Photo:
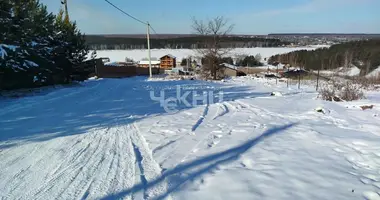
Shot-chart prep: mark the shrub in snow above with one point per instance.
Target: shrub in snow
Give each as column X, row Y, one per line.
column 368, row 83
column 338, row 91
column 366, row 107
column 320, row 109
column 278, row 94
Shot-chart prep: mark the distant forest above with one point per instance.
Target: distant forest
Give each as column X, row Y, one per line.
column 99, row 42
column 364, row 54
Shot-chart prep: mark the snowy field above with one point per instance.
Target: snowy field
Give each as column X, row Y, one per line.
column 107, row 139
column 120, row 55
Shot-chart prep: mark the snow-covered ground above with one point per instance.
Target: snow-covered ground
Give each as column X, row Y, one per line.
column 374, row 74
column 342, row 71
column 120, row 55
column 107, row 139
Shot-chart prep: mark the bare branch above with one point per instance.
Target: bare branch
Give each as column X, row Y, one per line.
column 215, row 31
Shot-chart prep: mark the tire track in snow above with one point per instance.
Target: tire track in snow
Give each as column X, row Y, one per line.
column 41, row 162
column 112, row 169
column 76, row 155
column 74, row 162
column 231, row 108
column 101, row 180
column 177, row 140
column 78, row 187
column 97, row 184
column 124, row 175
column 261, row 112
column 36, row 160
column 67, row 176
column 20, row 155
column 32, row 191
column 140, row 171
column 96, row 170
column 148, row 166
column 206, row 136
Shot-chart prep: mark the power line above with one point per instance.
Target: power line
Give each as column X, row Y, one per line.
column 125, row 12
column 153, row 29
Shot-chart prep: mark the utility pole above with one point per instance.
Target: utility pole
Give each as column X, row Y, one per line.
column 299, row 79
column 64, row 2
column 188, row 64
column 317, row 80
column 150, row 62
column 276, row 74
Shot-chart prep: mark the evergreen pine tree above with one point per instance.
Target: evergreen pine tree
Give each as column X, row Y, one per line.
column 37, row 48
column 71, row 50
column 184, row 62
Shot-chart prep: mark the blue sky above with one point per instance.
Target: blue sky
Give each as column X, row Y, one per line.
column 248, row 16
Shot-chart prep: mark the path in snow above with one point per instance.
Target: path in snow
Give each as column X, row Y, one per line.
column 107, row 139
column 324, row 156
column 82, row 142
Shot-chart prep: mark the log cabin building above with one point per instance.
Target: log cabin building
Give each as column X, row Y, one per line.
column 168, row 62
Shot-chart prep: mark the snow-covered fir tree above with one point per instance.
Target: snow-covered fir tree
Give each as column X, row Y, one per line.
column 38, row 48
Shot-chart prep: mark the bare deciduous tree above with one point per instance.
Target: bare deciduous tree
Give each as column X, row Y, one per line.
column 214, row 32
column 347, row 59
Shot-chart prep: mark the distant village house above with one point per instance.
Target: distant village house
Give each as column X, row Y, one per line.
column 168, row 62
column 231, row 71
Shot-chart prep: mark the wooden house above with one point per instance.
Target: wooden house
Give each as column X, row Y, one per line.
column 168, row 62
column 231, row 71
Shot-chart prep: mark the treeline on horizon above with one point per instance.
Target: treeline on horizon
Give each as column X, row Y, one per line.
column 96, row 42
column 364, row 54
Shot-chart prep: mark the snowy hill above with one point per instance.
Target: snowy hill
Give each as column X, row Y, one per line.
column 374, row 74
column 113, row 139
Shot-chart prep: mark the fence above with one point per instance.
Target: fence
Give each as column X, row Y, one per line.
column 298, row 77
column 123, row 71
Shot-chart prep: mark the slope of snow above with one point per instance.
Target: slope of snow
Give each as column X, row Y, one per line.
column 107, row 139
column 374, row 74
column 353, row 71
column 120, row 55
column 342, row 71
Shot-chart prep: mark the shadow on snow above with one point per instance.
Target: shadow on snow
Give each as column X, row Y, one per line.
column 184, row 173
column 98, row 104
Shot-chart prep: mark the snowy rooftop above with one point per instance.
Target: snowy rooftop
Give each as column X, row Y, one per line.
column 229, row 66
column 169, row 55
column 146, row 62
